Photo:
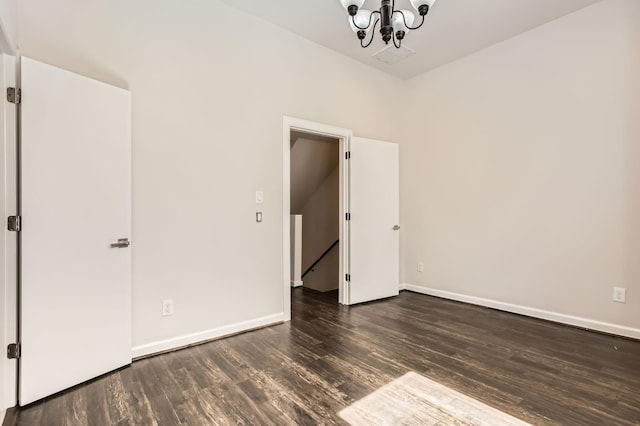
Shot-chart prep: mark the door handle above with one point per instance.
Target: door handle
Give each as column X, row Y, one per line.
column 122, row 243
column 396, row 227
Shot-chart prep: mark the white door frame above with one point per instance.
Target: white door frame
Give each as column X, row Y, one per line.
column 8, row 280
column 344, row 136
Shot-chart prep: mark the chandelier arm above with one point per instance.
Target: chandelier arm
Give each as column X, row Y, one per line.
column 405, row 20
column 353, row 20
column 394, row 41
column 373, row 33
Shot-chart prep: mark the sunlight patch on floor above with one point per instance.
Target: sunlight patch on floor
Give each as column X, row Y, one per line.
column 415, row 400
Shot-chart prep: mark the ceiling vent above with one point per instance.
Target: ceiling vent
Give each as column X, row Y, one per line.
column 392, row 55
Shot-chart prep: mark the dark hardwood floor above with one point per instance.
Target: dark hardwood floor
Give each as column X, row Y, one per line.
column 327, row 357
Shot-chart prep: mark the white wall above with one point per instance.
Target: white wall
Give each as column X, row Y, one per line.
column 210, row 85
column 320, row 229
column 311, row 162
column 519, row 168
column 517, row 177
column 325, row 275
column 295, row 234
column 8, row 25
column 3, row 239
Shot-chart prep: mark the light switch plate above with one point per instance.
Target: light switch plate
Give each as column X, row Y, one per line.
column 259, row 197
column 167, row 307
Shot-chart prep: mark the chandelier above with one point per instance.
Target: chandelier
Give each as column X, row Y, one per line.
column 394, row 24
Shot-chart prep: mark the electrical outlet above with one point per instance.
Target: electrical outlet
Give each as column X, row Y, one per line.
column 619, row 294
column 420, row 267
column 167, row 307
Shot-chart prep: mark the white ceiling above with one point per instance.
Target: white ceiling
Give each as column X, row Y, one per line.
column 453, row 28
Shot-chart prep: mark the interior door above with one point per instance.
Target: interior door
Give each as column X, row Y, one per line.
column 374, row 225
column 76, row 203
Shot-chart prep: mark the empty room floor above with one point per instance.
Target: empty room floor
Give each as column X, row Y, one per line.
column 329, row 357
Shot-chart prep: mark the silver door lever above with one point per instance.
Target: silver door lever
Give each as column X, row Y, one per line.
column 122, row 243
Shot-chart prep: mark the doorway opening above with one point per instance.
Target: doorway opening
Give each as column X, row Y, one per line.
column 315, row 213
column 369, row 185
column 315, row 190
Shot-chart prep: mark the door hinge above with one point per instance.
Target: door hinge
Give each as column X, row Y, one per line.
column 13, row 351
column 347, row 155
column 348, row 277
column 14, row 223
column 347, row 216
column 14, row 95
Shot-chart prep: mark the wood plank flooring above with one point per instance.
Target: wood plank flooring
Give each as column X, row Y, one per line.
column 328, row 357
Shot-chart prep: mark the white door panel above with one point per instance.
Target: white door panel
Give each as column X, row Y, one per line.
column 374, row 208
column 76, row 201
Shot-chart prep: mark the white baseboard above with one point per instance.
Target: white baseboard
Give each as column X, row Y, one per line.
column 296, row 283
column 403, row 286
column 606, row 327
column 202, row 336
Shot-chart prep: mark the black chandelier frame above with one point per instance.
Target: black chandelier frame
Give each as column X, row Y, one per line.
column 385, row 18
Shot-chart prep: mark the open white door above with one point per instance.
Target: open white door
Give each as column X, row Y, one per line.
column 76, row 202
column 374, row 207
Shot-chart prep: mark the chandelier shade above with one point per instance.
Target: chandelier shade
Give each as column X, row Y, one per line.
column 358, row 3
column 361, row 21
column 394, row 23
column 417, row 3
column 402, row 21
column 350, row 5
